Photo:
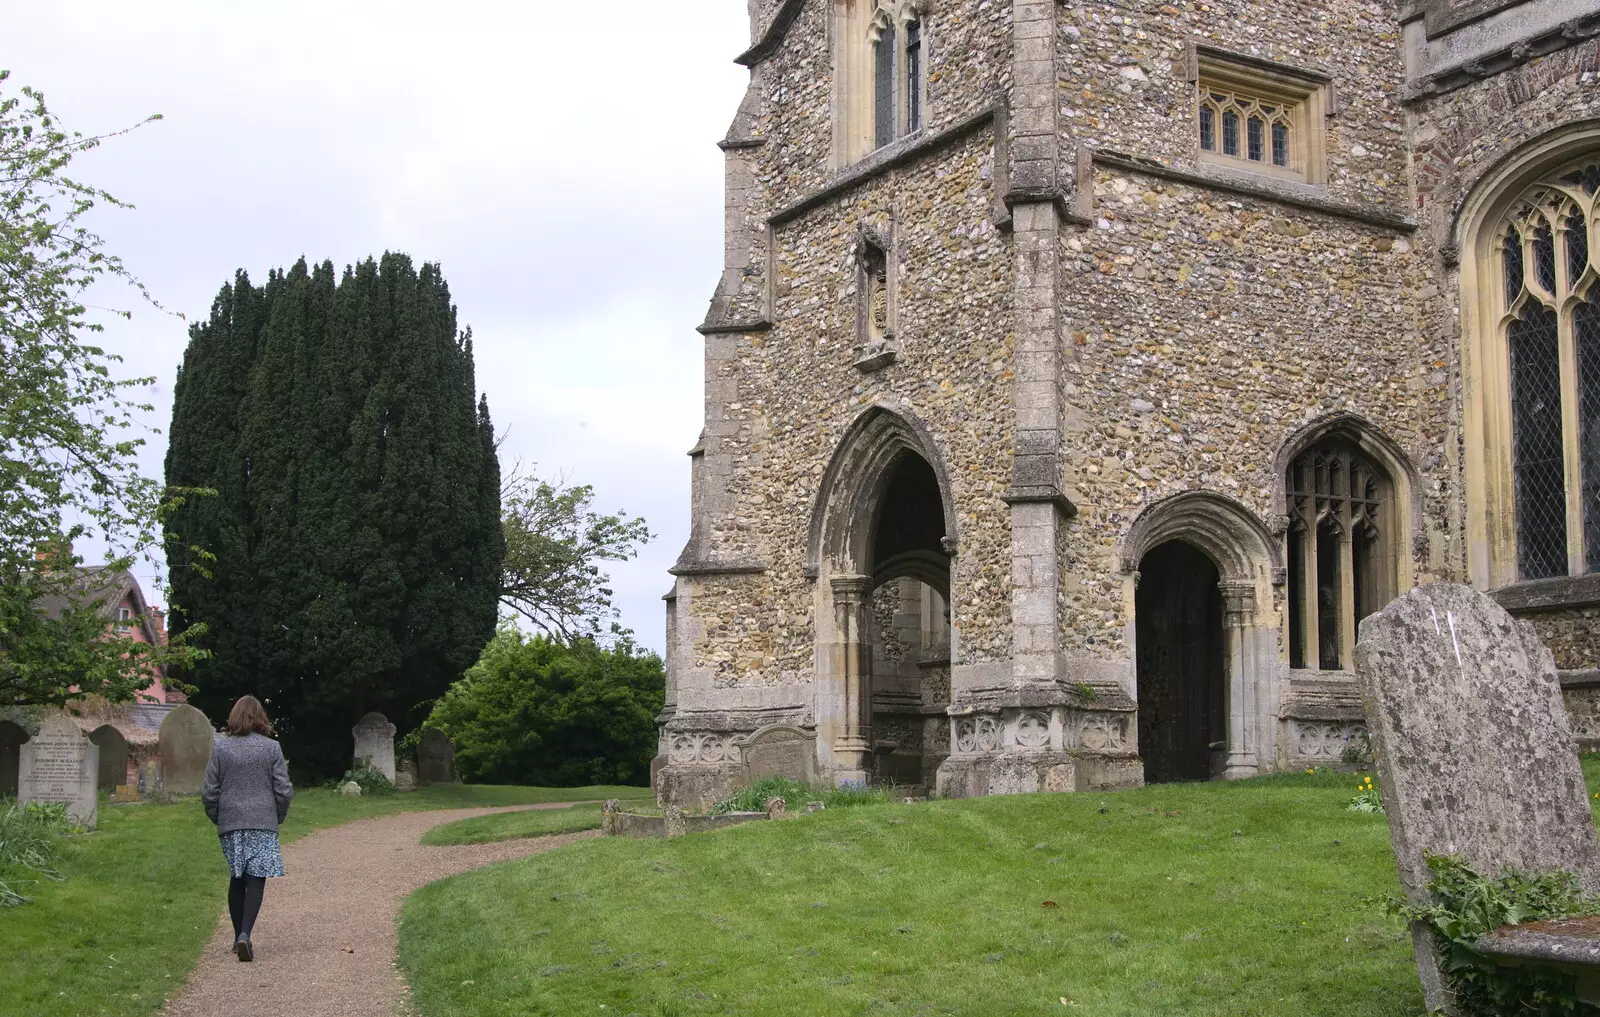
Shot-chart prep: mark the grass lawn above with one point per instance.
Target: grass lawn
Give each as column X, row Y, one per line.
column 517, row 825
column 144, row 891
column 1240, row 898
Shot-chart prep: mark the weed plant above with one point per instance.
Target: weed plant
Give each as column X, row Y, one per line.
column 371, row 781
column 1466, row 906
column 30, row 837
column 754, row 797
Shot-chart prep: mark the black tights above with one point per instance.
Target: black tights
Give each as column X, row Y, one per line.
column 244, row 902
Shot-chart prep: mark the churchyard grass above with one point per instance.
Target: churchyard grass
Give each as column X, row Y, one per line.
column 143, row 893
column 1195, row 899
column 517, row 825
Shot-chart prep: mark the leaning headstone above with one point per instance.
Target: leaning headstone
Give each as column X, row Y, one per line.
column 436, row 758
column 186, row 741
column 59, row 764
column 1475, row 754
column 350, row 789
column 374, row 737
column 609, row 824
column 675, row 824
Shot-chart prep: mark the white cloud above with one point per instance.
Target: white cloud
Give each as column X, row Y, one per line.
column 560, row 166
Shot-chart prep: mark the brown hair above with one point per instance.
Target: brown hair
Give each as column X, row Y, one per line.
column 247, row 716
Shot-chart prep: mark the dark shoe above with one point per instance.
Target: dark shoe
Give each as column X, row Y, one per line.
column 242, row 947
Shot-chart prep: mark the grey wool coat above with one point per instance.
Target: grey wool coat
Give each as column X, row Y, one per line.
column 247, row 784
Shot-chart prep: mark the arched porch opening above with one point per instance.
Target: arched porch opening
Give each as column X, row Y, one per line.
column 881, row 547
column 1207, row 594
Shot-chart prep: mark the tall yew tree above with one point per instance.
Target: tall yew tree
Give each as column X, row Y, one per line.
column 356, row 524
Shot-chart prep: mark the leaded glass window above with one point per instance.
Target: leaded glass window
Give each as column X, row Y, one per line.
column 913, row 77
column 883, row 88
column 1257, row 132
column 1342, row 565
column 1550, row 325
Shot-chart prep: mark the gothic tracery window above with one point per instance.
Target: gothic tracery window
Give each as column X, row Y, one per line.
column 881, row 71
column 1341, row 554
column 1550, row 327
column 1258, row 116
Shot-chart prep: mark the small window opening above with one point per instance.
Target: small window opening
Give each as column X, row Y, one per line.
column 913, row 80
column 1328, row 596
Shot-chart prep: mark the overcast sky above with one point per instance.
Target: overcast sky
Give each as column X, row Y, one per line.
column 561, row 168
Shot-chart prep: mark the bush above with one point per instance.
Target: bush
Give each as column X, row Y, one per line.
column 30, row 837
column 372, row 782
column 753, row 797
column 1466, row 906
column 534, row 710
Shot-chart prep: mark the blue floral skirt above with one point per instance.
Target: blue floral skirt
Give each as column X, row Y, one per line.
column 252, row 852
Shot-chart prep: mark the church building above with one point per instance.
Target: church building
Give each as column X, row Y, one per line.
column 1081, row 373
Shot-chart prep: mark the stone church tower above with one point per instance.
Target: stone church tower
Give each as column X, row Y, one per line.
column 1082, row 373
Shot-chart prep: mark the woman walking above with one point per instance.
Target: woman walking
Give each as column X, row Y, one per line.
column 246, row 793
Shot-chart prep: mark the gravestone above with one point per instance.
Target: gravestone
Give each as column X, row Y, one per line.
column 1475, row 755
column 350, row 789
column 113, row 757
column 676, row 825
column 186, row 741
column 59, row 764
column 374, row 737
column 150, row 777
column 609, row 826
column 405, row 776
column 780, row 750
column 436, row 758
column 12, row 738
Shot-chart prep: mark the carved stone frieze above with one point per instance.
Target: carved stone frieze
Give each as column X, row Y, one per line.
column 1322, row 740
column 687, row 747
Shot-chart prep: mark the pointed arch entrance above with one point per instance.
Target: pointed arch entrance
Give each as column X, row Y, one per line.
column 881, row 546
column 1205, row 644
column 1181, row 672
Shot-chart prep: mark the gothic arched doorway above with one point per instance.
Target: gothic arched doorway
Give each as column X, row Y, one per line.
column 1182, row 674
column 881, row 543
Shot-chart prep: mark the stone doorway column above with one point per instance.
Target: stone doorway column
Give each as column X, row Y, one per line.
column 853, row 748
column 1244, row 674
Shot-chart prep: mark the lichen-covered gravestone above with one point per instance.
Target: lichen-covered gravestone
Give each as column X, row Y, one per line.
column 60, row 764
column 374, row 737
column 186, row 741
column 436, row 758
column 1475, row 755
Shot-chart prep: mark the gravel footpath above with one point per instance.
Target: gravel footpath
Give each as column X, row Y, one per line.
column 325, row 941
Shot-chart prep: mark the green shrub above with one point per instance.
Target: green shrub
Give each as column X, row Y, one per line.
column 372, row 782
column 1466, row 906
column 753, row 797
column 30, row 837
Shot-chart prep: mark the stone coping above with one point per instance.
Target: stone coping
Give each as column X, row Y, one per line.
column 643, row 826
column 1556, row 594
column 1556, row 941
